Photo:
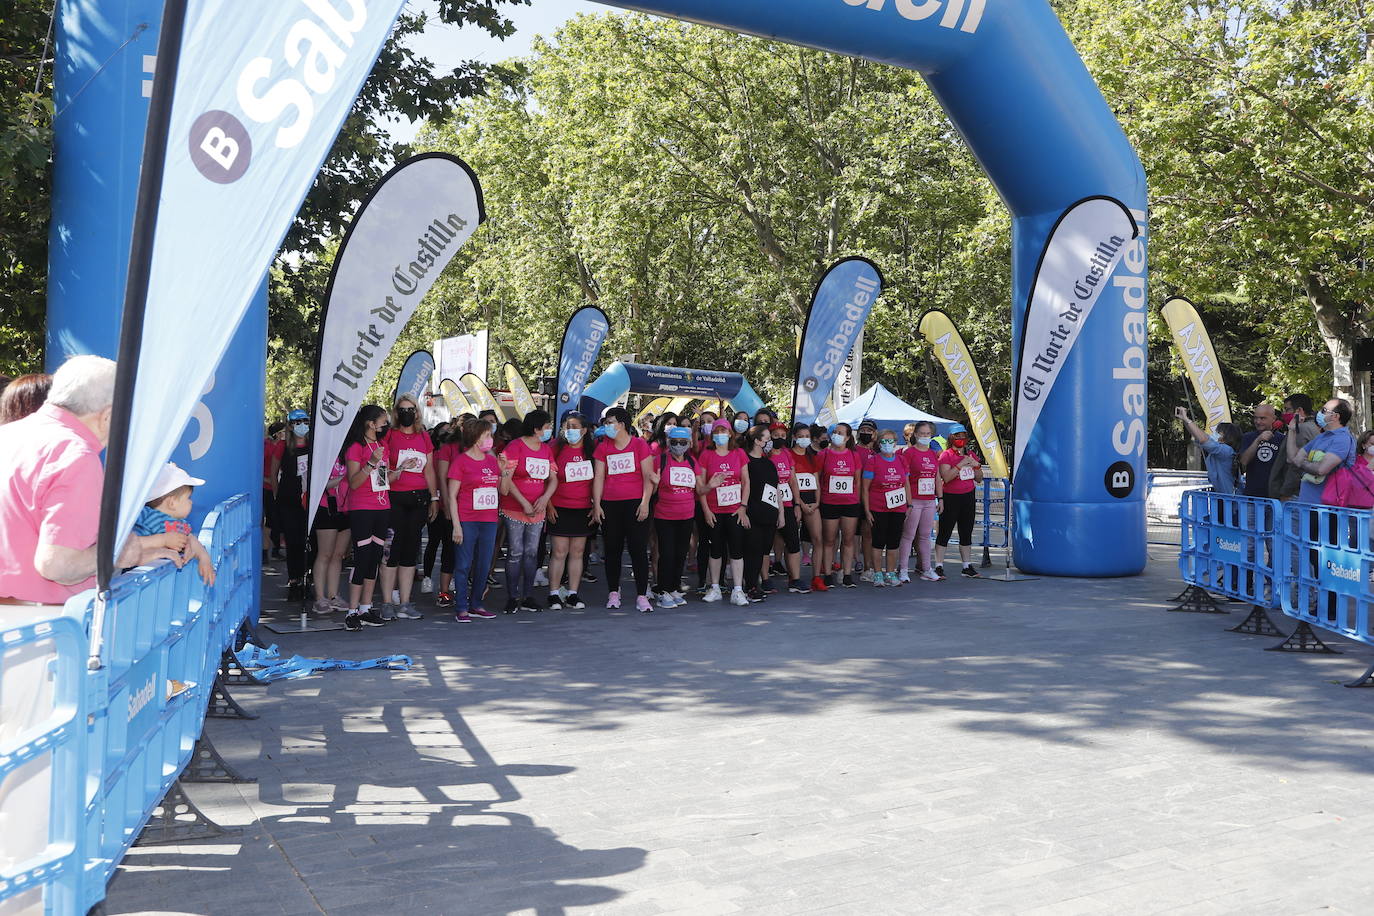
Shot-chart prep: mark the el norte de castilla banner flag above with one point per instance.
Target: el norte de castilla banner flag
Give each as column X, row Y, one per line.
column 1194, row 346
column 952, row 353
column 404, row 235
column 244, row 109
column 840, row 305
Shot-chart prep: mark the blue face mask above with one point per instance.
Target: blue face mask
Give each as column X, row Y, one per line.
column 741, row 425
column 545, row 435
column 607, row 431
column 721, row 439
column 888, row 448
column 1320, row 419
column 573, row 436
column 803, row 442
column 301, row 429
column 924, row 441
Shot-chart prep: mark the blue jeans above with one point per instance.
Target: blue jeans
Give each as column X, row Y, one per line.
column 522, row 555
column 473, row 565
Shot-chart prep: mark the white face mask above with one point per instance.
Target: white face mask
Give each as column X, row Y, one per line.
column 1369, row 449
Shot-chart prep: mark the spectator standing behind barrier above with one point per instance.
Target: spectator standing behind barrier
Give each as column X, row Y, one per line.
column 1364, row 449
column 289, row 484
column 1218, row 451
column 1259, row 449
column 24, row 396
column 1285, row 477
column 272, row 448
column 1333, row 447
column 50, row 485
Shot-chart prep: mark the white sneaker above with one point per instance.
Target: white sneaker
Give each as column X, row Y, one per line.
column 903, row 577
column 737, row 597
column 426, row 586
column 713, row 593
column 666, row 600
column 867, row 575
column 678, row 598
column 540, row 578
column 929, row 576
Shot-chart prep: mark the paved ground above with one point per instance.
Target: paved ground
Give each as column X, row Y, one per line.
column 1057, row 746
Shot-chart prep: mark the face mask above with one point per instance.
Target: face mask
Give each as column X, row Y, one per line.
column 767, row 445
column 300, row 429
column 865, row 438
column 837, row 441
column 741, row 425
column 406, row 415
column 545, row 435
column 485, row 443
column 493, row 427
column 573, row 436
column 803, row 442
column 1321, row 419
column 678, row 448
column 381, row 430
column 1369, row 449
column 721, row 439
column 823, row 440
column 607, row 431
column 1288, row 418
column 779, row 444
column 888, row 448
column 924, row 441
column 958, row 444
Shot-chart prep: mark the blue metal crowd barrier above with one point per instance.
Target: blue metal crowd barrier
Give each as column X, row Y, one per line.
column 995, row 517
column 1326, row 568
column 1227, row 545
column 128, row 728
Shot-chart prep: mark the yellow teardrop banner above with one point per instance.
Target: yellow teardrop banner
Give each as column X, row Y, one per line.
column 952, row 353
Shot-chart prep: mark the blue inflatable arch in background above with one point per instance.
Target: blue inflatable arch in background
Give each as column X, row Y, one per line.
column 621, row 379
column 1016, row 89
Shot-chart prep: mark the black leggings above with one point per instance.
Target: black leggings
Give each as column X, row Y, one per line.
column 620, row 528
column 290, row 522
column 365, row 524
column 727, row 537
column 409, row 514
column 758, row 540
column 959, row 509
column 673, row 537
column 440, row 544
column 790, row 532
column 887, row 529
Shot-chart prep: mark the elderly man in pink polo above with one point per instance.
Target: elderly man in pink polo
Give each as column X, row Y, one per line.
column 50, row 483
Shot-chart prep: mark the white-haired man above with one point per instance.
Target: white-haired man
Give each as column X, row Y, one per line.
column 50, row 483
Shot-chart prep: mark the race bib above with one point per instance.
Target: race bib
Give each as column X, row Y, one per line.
column 786, row 491
column 806, row 481
column 966, row 473
column 896, row 499
column 380, row 482
column 302, row 462
column 841, row 485
column 484, row 498
column 770, row 495
column 925, row 486
column 537, row 468
column 575, row 471
column 682, row 477
column 406, row 454
column 624, row 463
column 728, row 495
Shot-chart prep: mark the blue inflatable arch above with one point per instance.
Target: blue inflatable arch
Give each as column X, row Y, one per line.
column 621, row 379
column 1012, row 83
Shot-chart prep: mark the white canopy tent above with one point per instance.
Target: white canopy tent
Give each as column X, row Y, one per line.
column 888, row 411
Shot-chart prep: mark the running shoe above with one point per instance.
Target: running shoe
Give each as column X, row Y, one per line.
column 322, row 607
column 531, row 604
column 588, row 577
column 738, row 598
column 799, row 587
column 970, row 572
column 666, row 601
column 755, row 595
column 540, row 578
column 712, row 594
column 867, row 576
column 893, row 580
column 574, row 602
column 445, row 599
column 386, row 612
column 879, row 580
column 408, row 611
column 353, row 622
column 679, row 599
column 555, row 601
column 613, row 600
column 462, row 618
column 426, row 586
column 848, row 581
column 939, row 570
column 371, row 618
column 819, row 585
column 338, row 603
column 593, row 558
column 903, row 577
column 481, row 612
column 643, row 606
column 929, row 575
column 511, row 606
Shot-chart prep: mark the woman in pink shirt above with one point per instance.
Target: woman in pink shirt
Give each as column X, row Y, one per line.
column 414, row 502
column 789, row 533
column 474, row 499
column 927, row 493
column 527, row 484
column 723, row 482
column 370, row 477
column 674, row 512
column 886, row 495
column 331, row 541
column 840, row 468
column 621, row 492
column 961, row 472
column 570, row 510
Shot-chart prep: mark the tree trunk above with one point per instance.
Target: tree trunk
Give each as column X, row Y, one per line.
column 1339, row 328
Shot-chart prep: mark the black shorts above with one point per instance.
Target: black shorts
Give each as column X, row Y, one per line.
column 832, row 511
column 329, row 519
column 571, row 523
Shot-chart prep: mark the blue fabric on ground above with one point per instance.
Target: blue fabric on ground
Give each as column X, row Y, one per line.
column 267, row 664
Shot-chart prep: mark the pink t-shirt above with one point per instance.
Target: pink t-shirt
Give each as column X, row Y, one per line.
column 50, row 483
column 373, row 493
column 728, row 497
column 624, row 476
column 479, row 487
column 782, row 460
column 677, row 488
column 888, row 477
column 399, row 447
column 533, row 466
column 575, row 474
column 923, row 466
column 271, row 449
column 340, row 490
column 839, row 477
column 963, row 482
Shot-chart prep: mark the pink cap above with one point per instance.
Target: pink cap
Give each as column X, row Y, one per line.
column 722, row 424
